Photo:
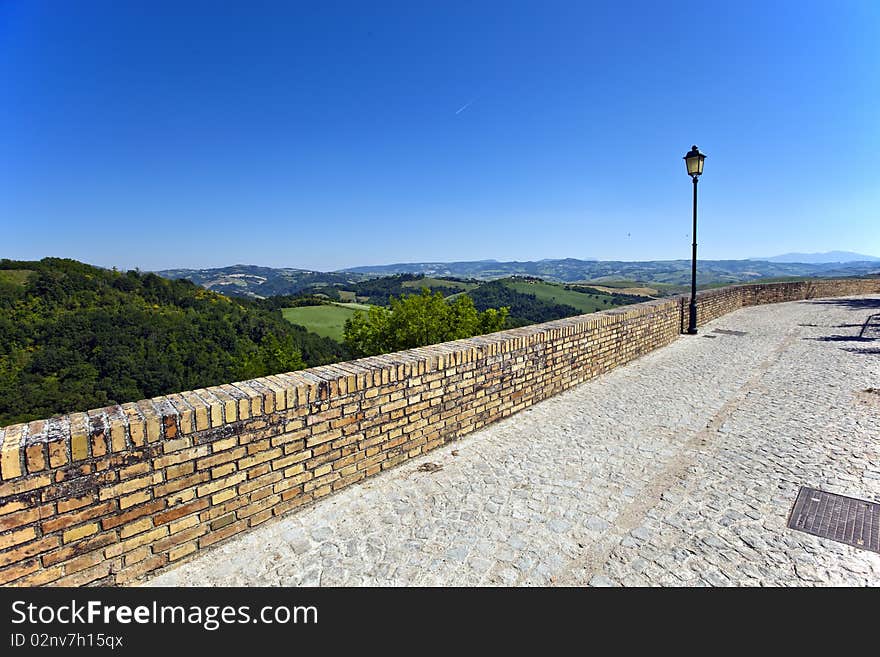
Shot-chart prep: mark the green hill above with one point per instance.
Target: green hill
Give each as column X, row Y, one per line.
column 76, row 337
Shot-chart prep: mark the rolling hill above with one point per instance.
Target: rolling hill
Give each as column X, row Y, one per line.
column 259, row 282
column 676, row 272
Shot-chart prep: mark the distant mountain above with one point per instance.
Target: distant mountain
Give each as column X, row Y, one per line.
column 821, row 258
column 260, row 282
column 676, row 272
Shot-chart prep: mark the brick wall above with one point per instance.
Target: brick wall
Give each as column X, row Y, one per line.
column 109, row 495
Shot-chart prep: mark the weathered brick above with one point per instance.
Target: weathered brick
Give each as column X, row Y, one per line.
column 222, row 496
column 71, row 503
column 127, row 545
column 179, row 511
column 220, row 534
column 180, row 470
column 80, row 547
column 135, row 513
column 57, row 453
column 36, row 457
column 10, row 452
column 137, row 571
column 182, row 550
column 18, row 570
column 86, row 576
column 25, row 517
column 220, row 484
column 80, row 532
column 28, row 550
column 135, row 498
column 137, row 527
column 56, row 523
column 130, row 486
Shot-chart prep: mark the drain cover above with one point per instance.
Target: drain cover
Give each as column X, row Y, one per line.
column 840, row 518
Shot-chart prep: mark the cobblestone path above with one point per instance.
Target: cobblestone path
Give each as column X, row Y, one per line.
column 678, row 469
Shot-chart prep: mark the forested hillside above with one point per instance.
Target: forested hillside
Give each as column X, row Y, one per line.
column 75, row 337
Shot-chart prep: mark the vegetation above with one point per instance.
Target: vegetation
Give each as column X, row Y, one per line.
column 418, row 320
column 14, row 276
column 74, row 337
column 327, row 319
column 557, row 294
column 380, row 290
column 523, row 308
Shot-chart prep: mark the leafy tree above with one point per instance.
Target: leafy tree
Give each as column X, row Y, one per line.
column 418, row 320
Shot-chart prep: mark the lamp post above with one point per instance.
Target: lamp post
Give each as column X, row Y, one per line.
column 694, row 161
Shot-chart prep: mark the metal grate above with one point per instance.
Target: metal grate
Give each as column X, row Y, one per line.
column 840, row 518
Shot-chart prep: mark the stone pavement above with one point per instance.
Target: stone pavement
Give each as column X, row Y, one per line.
column 678, row 469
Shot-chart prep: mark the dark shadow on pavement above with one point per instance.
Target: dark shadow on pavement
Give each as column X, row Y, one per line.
column 869, row 330
column 865, row 351
column 855, row 304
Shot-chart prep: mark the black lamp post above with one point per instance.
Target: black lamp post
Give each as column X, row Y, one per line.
column 694, row 161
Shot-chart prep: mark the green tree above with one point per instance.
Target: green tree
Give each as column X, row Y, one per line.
column 418, row 320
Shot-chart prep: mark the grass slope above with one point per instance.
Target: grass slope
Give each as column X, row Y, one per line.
column 586, row 303
column 327, row 320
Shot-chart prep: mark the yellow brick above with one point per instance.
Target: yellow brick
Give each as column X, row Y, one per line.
column 80, row 532
column 221, row 497
column 221, row 445
column 181, row 551
column 10, row 454
column 117, row 434
column 154, row 432
column 201, row 410
column 79, row 447
column 222, row 470
column 136, row 498
column 142, row 525
column 183, row 523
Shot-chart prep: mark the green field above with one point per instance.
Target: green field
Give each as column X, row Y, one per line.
column 14, row 276
column 326, row 320
column 586, row 303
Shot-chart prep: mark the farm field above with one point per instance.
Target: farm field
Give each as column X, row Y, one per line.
column 326, row 320
column 557, row 294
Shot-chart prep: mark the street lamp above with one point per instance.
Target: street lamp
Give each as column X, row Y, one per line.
column 694, row 161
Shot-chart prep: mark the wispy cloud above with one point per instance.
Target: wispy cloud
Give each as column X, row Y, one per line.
column 464, row 107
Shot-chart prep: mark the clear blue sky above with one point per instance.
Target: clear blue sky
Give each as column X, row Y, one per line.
column 321, row 135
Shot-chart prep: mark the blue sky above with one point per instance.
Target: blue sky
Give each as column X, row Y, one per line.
column 323, row 135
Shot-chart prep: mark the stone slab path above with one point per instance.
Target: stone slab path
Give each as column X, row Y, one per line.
column 678, row 469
